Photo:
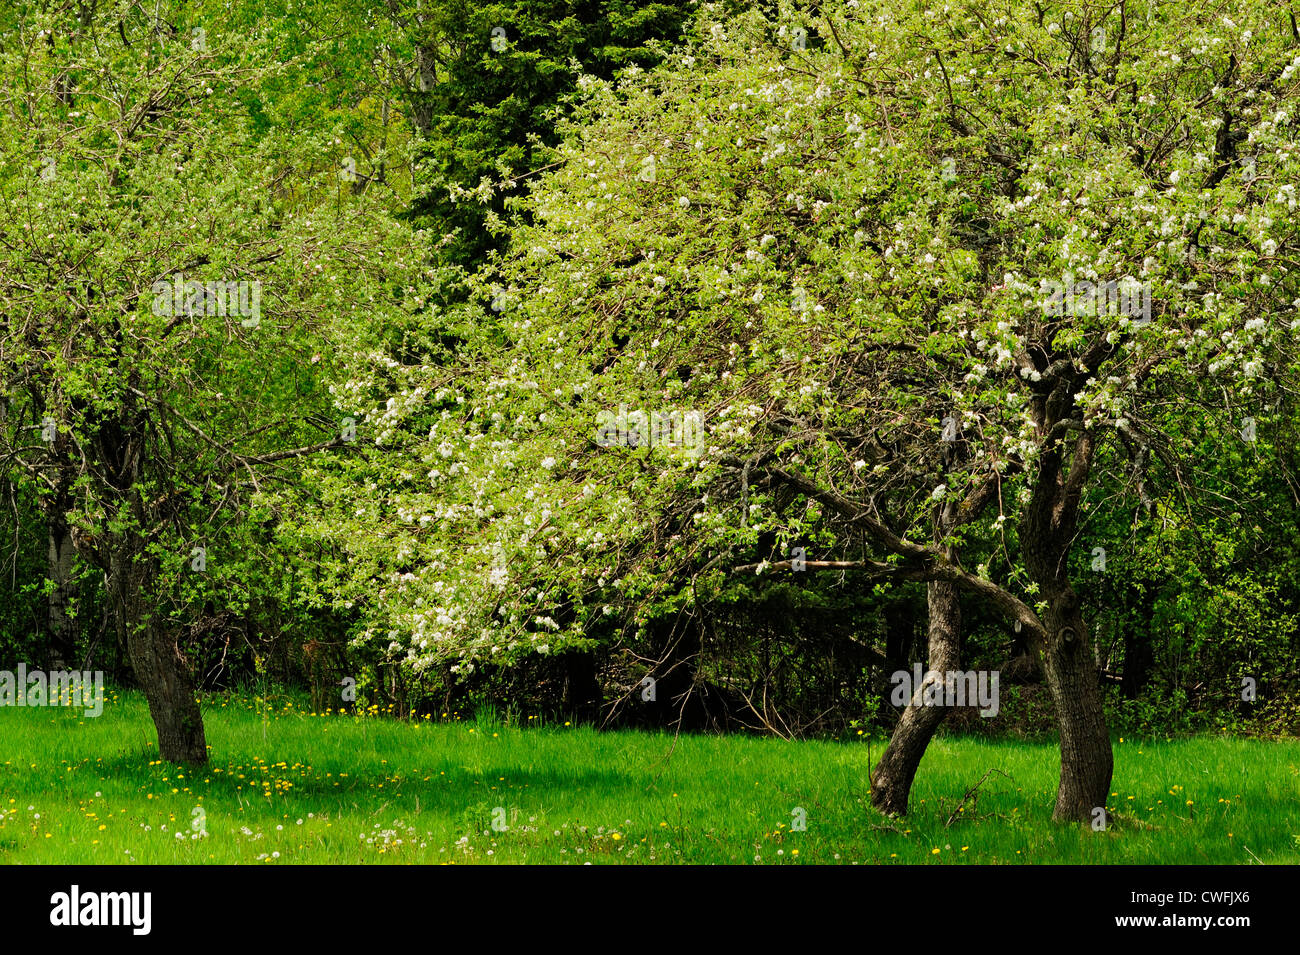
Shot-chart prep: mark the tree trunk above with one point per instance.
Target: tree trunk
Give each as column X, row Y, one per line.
column 1087, row 762
column 160, row 667
column 891, row 781
column 1065, row 645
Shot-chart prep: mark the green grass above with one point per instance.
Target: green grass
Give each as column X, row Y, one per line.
column 346, row 789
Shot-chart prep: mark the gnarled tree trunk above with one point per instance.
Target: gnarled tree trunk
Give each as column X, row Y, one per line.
column 891, row 781
column 1087, row 762
column 1069, row 666
column 160, row 667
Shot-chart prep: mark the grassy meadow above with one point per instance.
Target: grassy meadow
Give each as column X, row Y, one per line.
column 287, row 786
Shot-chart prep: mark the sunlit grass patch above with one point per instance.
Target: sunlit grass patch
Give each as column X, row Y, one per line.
column 289, row 786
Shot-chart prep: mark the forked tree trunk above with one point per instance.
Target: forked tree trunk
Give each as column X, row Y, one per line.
column 1065, row 649
column 891, row 781
column 160, row 667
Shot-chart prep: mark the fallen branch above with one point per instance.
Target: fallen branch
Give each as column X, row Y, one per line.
column 973, row 792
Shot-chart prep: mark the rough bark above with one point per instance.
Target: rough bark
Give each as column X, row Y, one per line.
column 891, row 781
column 160, row 666
column 1065, row 647
column 1087, row 762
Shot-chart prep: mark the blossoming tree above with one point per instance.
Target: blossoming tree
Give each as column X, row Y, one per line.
column 889, row 269
column 176, row 282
